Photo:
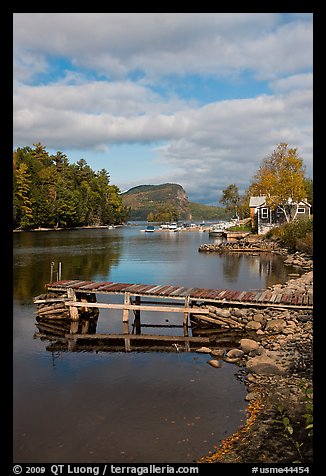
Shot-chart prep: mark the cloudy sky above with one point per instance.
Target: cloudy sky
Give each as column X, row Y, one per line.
column 198, row 99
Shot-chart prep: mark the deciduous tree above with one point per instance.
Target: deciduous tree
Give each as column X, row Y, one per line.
column 231, row 199
column 281, row 178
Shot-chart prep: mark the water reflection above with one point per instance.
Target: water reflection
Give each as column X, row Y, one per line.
column 265, row 265
column 179, row 404
column 82, row 253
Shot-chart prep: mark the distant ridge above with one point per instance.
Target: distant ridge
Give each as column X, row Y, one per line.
column 146, row 201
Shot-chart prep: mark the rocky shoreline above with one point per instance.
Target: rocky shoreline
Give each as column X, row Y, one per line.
column 275, row 362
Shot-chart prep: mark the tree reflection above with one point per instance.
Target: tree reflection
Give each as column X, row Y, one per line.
column 84, row 254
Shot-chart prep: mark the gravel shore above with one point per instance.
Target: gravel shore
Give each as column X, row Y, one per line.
column 275, row 362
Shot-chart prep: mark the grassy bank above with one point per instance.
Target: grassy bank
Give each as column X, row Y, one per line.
column 296, row 235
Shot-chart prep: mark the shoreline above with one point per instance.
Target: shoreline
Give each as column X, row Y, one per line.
column 276, row 366
column 86, row 227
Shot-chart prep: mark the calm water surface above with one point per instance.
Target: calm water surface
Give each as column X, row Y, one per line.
column 135, row 407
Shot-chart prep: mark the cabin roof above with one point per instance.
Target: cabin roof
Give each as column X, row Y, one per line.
column 257, row 201
column 260, row 200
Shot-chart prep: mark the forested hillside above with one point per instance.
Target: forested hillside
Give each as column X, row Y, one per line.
column 164, row 202
column 167, row 202
column 48, row 191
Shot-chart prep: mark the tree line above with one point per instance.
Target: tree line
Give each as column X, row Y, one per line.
column 48, row 191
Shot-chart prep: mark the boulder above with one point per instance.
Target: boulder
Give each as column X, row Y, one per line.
column 231, row 360
column 252, row 396
column 275, row 325
column 253, row 325
column 264, row 365
column 258, row 317
column 222, row 312
column 217, row 352
column 235, row 353
column 248, row 344
column 214, row 363
column 204, row 350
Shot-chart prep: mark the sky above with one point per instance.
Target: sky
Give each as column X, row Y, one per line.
column 198, row 99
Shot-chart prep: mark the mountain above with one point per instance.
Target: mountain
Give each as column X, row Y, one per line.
column 166, row 202
column 146, row 199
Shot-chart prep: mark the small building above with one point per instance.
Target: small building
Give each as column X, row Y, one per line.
column 263, row 218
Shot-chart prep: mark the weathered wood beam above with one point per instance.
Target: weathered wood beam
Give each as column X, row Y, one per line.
column 140, row 307
column 135, row 337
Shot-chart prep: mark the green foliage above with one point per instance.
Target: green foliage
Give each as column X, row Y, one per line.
column 50, row 192
column 244, row 227
column 151, row 202
column 199, row 211
column 165, row 213
column 300, row 431
column 296, row 235
column 280, row 177
column 231, row 198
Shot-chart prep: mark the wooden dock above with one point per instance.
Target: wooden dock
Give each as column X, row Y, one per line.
column 70, row 310
column 190, row 296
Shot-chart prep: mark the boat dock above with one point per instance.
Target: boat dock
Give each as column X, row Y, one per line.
column 70, row 309
column 189, row 296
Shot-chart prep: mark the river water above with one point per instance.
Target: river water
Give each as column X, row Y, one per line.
column 123, row 407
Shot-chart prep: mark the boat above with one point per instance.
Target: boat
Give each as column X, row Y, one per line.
column 217, row 229
column 173, row 226
column 148, row 229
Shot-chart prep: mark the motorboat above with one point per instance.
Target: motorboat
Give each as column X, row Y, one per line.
column 217, row 229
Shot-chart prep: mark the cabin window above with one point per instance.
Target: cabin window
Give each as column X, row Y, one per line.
column 264, row 212
column 301, row 210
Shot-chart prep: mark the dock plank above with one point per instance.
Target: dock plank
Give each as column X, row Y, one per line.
column 262, row 297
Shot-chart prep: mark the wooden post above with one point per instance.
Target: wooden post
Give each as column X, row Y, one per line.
column 74, row 325
column 137, row 325
column 59, row 271
column 71, row 344
column 84, row 300
column 185, row 317
column 125, row 326
column 125, row 321
column 51, row 272
column 127, row 344
column 72, row 309
column 125, row 313
column 85, row 326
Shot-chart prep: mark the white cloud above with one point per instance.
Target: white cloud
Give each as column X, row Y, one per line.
column 158, row 44
column 205, row 147
column 295, row 81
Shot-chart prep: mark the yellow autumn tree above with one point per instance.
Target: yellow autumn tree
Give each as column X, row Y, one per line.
column 281, row 179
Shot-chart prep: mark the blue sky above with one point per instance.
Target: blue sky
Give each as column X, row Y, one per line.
column 191, row 98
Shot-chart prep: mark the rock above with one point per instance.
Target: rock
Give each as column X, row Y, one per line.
column 222, row 312
column 231, row 360
column 235, row 353
column 248, row 344
column 258, row 317
column 255, row 352
column 204, row 350
column 275, row 325
column 214, row 363
column 252, row 396
column 264, row 365
column 253, row 325
column 217, row 352
column 239, row 312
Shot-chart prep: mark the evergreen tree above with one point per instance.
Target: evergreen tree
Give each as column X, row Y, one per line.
column 50, row 192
